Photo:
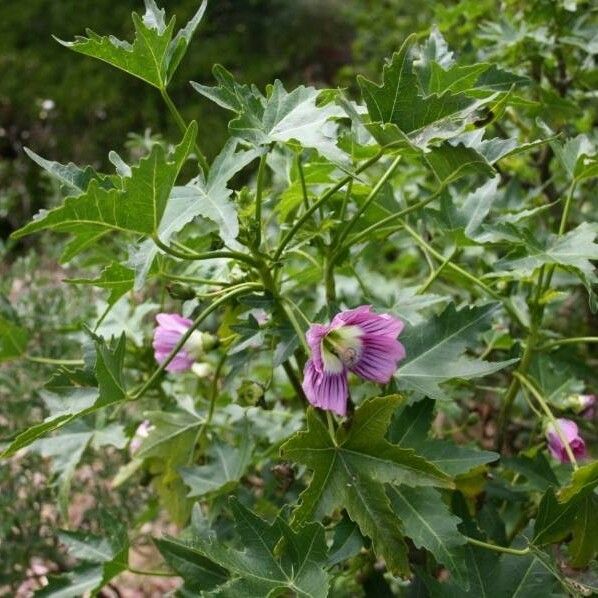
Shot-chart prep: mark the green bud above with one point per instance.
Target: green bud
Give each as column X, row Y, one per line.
column 250, row 392
column 178, row 290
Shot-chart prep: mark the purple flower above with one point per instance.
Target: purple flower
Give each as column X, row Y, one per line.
column 568, row 430
column 168, row 333
column 356, row 340
column 587, row 406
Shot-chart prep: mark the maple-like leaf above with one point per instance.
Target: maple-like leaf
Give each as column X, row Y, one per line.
column 350, row 470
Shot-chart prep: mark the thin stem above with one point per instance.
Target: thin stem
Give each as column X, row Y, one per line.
column 434, row 275
column 195, row 280
column 152, row 573
column 296, row 327
column 323, row 199
column 476, row 281
column 209, row 255
column 183, row 127
column 331, row 430
column 568, row 341
column 50, row 361
column 366, row 233
column 495, row 548
column 366, row 204
column 258, row 200
column 303, row 184
column 213, row 397
column 298, row 310
column 239, row 290
column 294, row 380
column 534, row 392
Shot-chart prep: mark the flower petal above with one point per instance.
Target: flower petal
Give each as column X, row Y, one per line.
column 369, row 322
column 379, row 358
column 325, row 390
column 173, row 322
column 314, row 337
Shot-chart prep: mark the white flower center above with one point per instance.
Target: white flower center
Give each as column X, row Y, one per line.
column 341, row 348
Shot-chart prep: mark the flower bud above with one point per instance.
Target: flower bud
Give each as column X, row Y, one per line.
column 250, row 392
column 569, row 432
column 178, row 290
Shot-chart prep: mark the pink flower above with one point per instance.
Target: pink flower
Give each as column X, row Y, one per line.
column 587, row 406
column 568, row 430
column 168, row 333
column 142, row 432
column 356, row 340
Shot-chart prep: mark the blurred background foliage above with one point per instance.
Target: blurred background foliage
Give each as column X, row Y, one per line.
column 69, row 108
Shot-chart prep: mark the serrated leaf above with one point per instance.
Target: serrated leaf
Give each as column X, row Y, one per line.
column 349, row 472
column 451, row 162
column 153, row 56
column 280, row 117
column 227, row 464
column 137, row 207
column 430, row 524
column 420, row 116
column 410, row 429
column 274, row 558
column 117, row 278
column 73, row 584
column 198, row 572
column 583, row 481
column 72, row 178
column 436, row 350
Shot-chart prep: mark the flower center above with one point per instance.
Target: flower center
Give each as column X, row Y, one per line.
column 342, row 347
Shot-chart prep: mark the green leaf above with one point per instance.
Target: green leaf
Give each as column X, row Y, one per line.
column 73, row 395
column 281, row 117
column 584, row 545
column 572, row 251
column 429, row 523
column 554, row 520
column 13, row 340
column 198, row 572
column 137, row 207
column 420, row 116
column 272, row 559
column 410, row 429
column 535, row 469
column 451, row 162
column 227, row 464
column 578, row 156
column 73, row 584
column 583, row 481
column 153, row 56
column 350, row 471
column 115, row 277
column 436, row 350
column 72, row 178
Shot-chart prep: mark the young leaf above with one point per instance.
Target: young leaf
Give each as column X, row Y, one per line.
column 350, row 470
column 153, row 56
column 281, row 117
column 137, row 207
column 436, row 350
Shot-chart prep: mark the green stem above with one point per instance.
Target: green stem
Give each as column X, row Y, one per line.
column 434, row 275
column 208, row 255
column 50, row 361
column 195, row 280
column 213, row 397
column 568, row 341
column 258, row 201
column 534, row 392
column 152, row 573
column 296, row 327
column 323, row 199
column 294, row 380
column 183, row 127
column 368, row 201
column 495, row 548
column 331, row 430
column 367, row 233
column 450, row 265
column 302, row 180
column 233, row 292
